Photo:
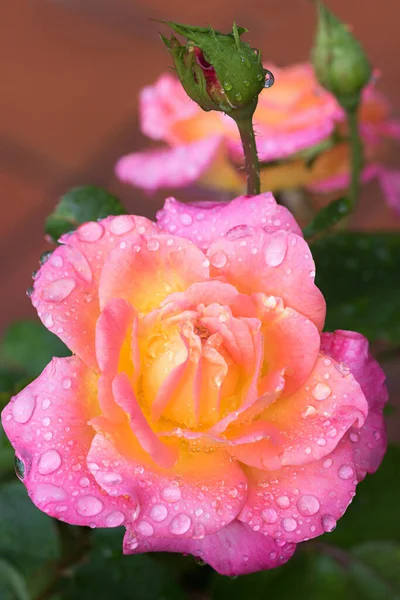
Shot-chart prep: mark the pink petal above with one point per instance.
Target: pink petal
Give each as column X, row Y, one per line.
column 311, row 422
column 233, row 550
column 168, row 167
column 390, row 184
column 279, row 264
column 340, row 182
column 47, row 425
column 299, row 503
column 204, row 222
column 148, row 268
column 200, row 495
column 350, row 349
column 66, row 287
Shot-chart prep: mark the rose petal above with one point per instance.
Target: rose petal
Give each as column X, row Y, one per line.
column 390, row 183
column 200, row 495
column 149, row 268
column 279, row 264
column 47, row 425
column 233, row 550
column 204, row 222
column 66, row 287
column 169, row 167
column 312, row 421
column 298, row 503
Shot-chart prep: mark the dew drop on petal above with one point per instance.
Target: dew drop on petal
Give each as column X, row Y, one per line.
column 328, row 523
column 268, row 515
column 88, row 506
column 308, row 505
column 308, row 412
column 218, row 260
column 186, row 219
column 122, row 224
column 283, row 502
column 58, row 290
column 321, row 391
column 46, row 493
column 275, row 251
column 180, row 524
column 327, row 463
column 84, row 482
column 49, row 462
column 171, row 494
column 90, row 232
column 153, row 245
column 289, row 524
column 23, row 407
column 66, row 383
column 158, row 513
column 345, row 472
column 46, row 403
column 57, row 261
column 145, row 528
column 115, row 518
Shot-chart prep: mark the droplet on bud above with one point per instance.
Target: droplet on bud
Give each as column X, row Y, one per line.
column 269, row 79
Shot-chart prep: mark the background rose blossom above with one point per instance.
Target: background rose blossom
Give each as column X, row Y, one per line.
column 202, row 407
column 293, row 116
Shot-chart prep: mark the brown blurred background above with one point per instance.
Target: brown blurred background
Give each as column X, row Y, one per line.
column 70, row 75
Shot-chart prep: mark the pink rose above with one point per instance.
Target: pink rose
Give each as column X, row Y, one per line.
column 202, row 408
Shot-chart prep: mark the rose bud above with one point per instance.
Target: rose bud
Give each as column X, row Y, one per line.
column 218, row 71
column 340, row 62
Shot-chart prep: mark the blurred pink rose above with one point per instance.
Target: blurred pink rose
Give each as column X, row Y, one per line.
column 294, row 115
column 202, row 408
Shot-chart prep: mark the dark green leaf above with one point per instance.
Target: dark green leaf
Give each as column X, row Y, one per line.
column 79, row 205
column 375, row 570
column 28, row 537
column 358, row 273
column 12, row 584
column 374, row 512
column 6, row 456
column 27, row 347
column 107, row 574
column 328, row 216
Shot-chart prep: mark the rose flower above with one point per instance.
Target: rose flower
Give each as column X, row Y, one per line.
column 202, row 408
column 295, row 120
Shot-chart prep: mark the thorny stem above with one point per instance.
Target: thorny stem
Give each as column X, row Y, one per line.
column 250, row 156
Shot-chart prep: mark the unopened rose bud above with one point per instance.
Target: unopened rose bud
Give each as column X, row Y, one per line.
column 340, row 62
column 218, row 71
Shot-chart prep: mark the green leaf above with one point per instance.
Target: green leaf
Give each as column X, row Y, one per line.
column 6, row 456
column 108, row 574
column 328, row 216
column 12, row 584
column 374, row 512
column 375, row 570
column 79, row 205
column 27, row 347
column 28, row 537
column 358, row 273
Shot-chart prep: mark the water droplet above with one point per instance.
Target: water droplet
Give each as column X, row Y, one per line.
column 23, row 407
column 268, row 515
column 88, row 506
column 84, row 482
column 90, row 232
column 158, row 513
column 328, row 523
column 199, row 531
column 49, row 462
column 46, row 403
column 186, row 219
column 283, row 502
column 44, row 257
column 342, row 368
column 171, row 494
column 321, row 391
column 246, row 83
column 238, row 96
column 308, row 505
column 66, row 383
column 308, row 412
column 275, row 251
column 145, row 528
column 122, row 224
column 58, row 290
column 219, row 259
column 238, row 232
column 79, row 263
column 57, row 261
column 153, row 245
column 45, row 493
column 48, row 320
column 180, row 524
column 29, row 291
column 227, row 86
column 269, row 79
column 354, row 437
column 289, row 524
column 115, row 518
column 327, row 463
column 345, row 472
column 19, row 467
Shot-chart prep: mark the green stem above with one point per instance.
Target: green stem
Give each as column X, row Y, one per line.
column 357, row 159
column 250, row 156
